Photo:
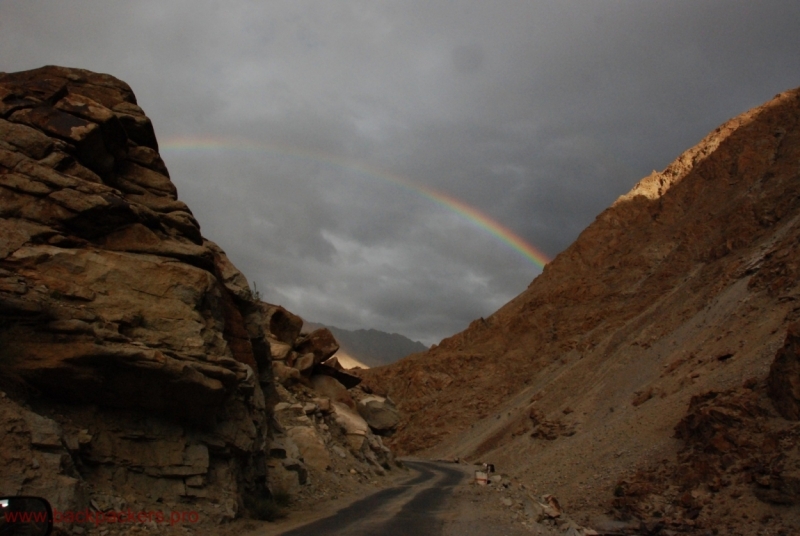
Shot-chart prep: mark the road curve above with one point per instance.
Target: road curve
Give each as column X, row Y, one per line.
column 410, row 508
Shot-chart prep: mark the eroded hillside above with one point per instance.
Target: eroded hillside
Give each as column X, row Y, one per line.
column 685, row 286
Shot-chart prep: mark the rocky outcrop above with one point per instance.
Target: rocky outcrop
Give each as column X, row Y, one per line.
column 141, row 372
column 134, row 340
column 283, row 326
column 380, row 413
column 306, row 356
column 734, row 450
column 317, row 442
column 319, row 343
column 317, row 432
column 783, row 382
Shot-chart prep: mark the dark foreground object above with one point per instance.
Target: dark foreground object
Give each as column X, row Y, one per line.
column 25, row 516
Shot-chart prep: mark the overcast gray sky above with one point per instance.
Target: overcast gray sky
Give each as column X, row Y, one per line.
column 312, row 139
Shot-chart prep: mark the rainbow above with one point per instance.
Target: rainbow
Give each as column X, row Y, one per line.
column 471, row 214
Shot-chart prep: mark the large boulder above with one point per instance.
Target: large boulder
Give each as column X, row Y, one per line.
column 320, row 343
column 279, row 350
column 353, row 425
column 380, row 413
column 312, row 448
column 285, row 375
column 333, row 389
column 280, row 324
column 305, row 363
column 343, row 377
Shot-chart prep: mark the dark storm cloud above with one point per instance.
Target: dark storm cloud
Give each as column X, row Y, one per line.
column 538, row 114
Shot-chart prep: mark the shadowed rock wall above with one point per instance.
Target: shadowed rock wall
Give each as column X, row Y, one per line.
column 135, row 336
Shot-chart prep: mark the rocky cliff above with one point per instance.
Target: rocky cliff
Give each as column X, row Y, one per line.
column 645, row 346
column 133, row 336
column 135, row 365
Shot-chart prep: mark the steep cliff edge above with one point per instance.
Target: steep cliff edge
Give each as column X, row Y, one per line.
column 139, row 335
column 686, row 285
column 136, row 368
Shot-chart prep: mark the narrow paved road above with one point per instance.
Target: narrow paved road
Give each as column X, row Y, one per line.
column 411, row 508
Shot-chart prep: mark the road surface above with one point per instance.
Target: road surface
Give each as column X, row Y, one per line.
column 414, row 507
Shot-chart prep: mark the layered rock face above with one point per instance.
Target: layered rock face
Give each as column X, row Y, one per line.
column 136, row 368
column 686, row 285
column 140, row 336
